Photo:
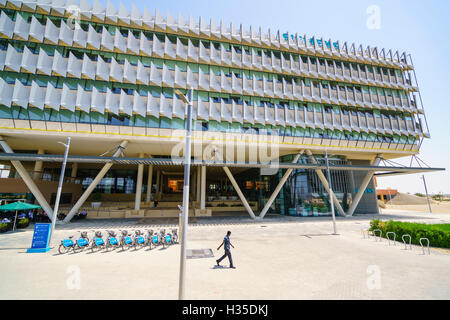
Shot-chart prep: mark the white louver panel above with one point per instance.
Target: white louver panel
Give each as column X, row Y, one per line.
column 237, row 112
column 171, row 24
column 29, row 61
column 192, row 52
column 132, row 43
column 145, row 46
column 112, row 102
column 116, row 71
column 179, row 107
column 51, row 34
column 269, row 114
column 66, row 34
column 214, row 110
column 203, row 81
column 152, row 105
column 158, row 49
column 129, row 72
column 6, row 26
column 191, row 81
column 13, row 59
column 120, row 43
column 83, row 101
column 181, row 51
column 20, row 95
column 68, row 98
column 21, row 28
column 79, row 37
column 93, row 39
column 59, row 67
column 142, row 74
column 124, row 15
column 98, row 11
column 180, row 78
column 166, row 108
column 225, row 111
column 139, row 104
column 248, row 112
column 167, row 77
column 52, row 97
column 98, row 100
column 148, row 21
column 6, row 92
column 170, row 49
column 204, row 55
column 74, row 66
column 107, row 42
column 88, row 68
column 103, row 71
column 125, row 103
column 203, row 110
column 259, row 114
column 44, row 65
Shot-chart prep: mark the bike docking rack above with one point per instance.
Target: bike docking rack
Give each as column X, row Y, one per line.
column 406, row 239
column 428, row 245
column 389, row 240
column 378, row 237
column 134, row 239
column 403, row 239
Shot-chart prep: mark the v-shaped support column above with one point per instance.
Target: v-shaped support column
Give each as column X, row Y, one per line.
column 28, row 181
column 279, row 186
column 363, row 187
column 325, row 183
column 239, row 192
column 94, row 183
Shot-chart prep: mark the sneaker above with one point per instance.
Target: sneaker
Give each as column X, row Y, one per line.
column 217, row 261
column 232, row 267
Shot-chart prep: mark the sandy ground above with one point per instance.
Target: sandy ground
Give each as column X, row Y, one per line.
column 278, row 258
column 440, row 207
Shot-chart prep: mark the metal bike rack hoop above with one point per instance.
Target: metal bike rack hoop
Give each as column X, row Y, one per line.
column 403, row 239
column 428, row 245
column 387, row 236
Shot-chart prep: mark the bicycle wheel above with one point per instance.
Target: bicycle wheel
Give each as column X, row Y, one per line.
column 63, row 249
column 76, row 248
column 93, row 247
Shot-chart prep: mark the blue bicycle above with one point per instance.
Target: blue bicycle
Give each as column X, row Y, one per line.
column 126, row 242
column 138, row 240
column 82, row 242
column 66, row 245
column 97, row 242
column 111, row 241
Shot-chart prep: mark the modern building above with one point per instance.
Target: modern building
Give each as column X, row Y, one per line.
column 106, row 78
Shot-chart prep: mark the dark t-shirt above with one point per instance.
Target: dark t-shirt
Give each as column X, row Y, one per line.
column 226, row 243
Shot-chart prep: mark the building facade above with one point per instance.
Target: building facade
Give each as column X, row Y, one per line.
column 105, row 75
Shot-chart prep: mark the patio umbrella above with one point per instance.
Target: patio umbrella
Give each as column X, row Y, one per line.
column 18, row 206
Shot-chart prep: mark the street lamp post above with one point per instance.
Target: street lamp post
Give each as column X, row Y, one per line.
column 187, row 166
column 426, row 191
column 58, row 193
column 330, row 193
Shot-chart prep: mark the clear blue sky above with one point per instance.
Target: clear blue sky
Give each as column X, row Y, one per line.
column 421, row 28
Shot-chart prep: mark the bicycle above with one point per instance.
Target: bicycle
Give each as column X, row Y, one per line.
column 97, row 241
column 82, row 242
column 138, row 240
column 66, row 245
column 111, row 241
column 174, row 236
column 125, row 240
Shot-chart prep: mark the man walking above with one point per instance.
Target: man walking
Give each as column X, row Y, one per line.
column 226, row 245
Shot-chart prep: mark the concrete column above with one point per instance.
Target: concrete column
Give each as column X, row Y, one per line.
column 199, row 184
column 363, row 187
column 325, row 183
column 158, row 182
column 37, row 174
column 73, row 174
column 279, row 186
column 148, row 197
column 240, row 194
column 28, row 181
column 94, row 183
column 140, row 174
column 203, row 188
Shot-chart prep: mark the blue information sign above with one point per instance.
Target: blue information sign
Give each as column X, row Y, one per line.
column 40, row 238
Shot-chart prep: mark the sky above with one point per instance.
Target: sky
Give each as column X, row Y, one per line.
column 421, row 28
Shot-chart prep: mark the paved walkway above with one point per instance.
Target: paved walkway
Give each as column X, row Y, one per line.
column 277, row 258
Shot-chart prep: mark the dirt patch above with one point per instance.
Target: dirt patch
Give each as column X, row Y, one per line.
column 408, row 199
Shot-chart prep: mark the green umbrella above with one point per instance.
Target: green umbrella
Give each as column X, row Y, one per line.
column 18, row 206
